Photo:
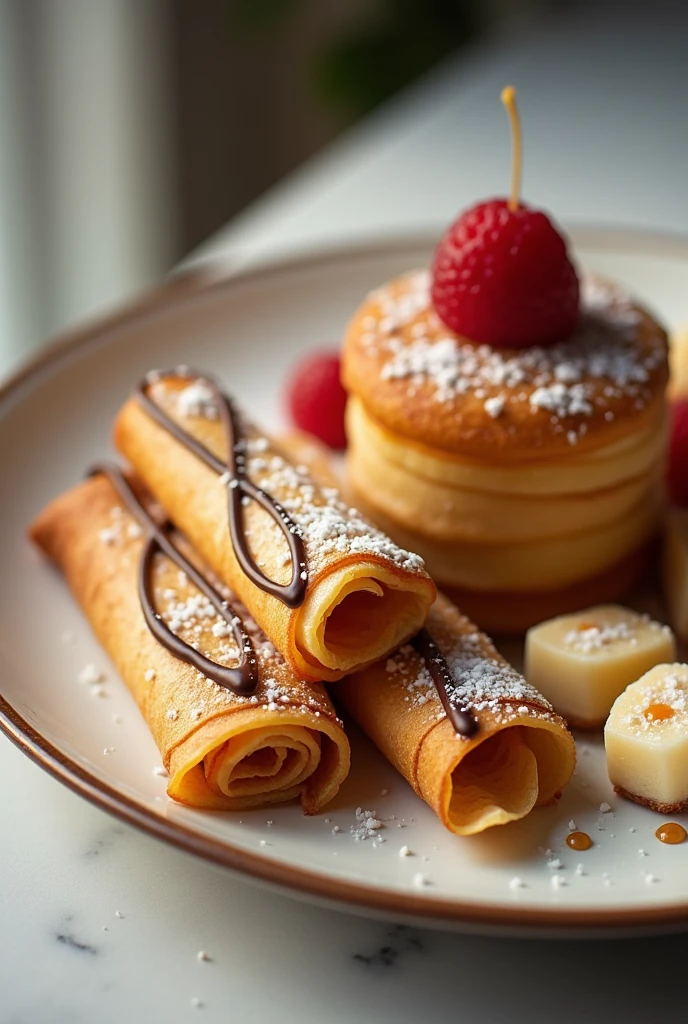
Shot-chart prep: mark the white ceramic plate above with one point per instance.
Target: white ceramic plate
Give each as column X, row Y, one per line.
column 55, row 419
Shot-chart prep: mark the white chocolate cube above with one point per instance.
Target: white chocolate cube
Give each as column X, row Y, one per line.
column 646, row 738
column 582, row 662
column 676, row 570
column 678, row 362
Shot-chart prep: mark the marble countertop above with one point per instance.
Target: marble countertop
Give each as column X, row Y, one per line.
column 100, row 923
column 103, row 924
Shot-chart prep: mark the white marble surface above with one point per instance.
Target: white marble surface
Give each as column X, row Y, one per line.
column 67, row 958
column 66, row 868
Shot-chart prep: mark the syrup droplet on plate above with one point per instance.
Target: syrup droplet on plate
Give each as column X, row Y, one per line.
column 671, row 833
column 579, row 841
column 658, row 713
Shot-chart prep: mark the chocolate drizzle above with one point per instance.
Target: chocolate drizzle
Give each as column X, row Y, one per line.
column 464, row 722
column 243, row 679
column 292, row 594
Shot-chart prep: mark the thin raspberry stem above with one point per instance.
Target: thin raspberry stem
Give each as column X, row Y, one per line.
column 509, row 101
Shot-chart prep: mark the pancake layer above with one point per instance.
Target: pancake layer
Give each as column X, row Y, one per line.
column 443, row 510
column 520, row 474
column 429, row 385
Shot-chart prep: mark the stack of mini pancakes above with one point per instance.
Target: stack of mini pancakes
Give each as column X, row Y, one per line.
column 528, row 479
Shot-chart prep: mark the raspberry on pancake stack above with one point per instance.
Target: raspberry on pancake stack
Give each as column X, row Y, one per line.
column 507, row 420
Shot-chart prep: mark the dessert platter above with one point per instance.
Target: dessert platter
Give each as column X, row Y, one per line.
column 418, row 652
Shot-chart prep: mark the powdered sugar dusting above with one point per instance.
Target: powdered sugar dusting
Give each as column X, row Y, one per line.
column 327, row 525
column 671, row 691
column 494, row 407
column 367, row 826
column 562, row 399
column 483, row 680
column 602, row 362
column 592, row 637
column 198, row 400
column 191, row 616
column 117, row 532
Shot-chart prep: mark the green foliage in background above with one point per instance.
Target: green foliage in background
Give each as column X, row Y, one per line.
column 395, row 41
column 360, row 71
column 263, row 17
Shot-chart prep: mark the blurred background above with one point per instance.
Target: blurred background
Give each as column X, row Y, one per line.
column 131, row 130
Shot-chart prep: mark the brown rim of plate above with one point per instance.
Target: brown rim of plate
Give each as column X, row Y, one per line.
column 194, row 284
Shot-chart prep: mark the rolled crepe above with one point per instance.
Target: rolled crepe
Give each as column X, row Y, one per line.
column 221, row 750
column 364, row 595
column 521, row 755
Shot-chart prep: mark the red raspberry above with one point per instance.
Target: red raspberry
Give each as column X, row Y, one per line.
column 503, row 277
column 677, row 467
column 317, row 399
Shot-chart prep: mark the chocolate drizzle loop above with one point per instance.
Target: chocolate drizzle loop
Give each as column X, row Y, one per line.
column 463, row 721
column 292, row 594
column 242, row 680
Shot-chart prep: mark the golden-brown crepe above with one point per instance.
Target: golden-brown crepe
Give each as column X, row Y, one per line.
column 221, row 750
column 522, row 754
column 363, row 594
